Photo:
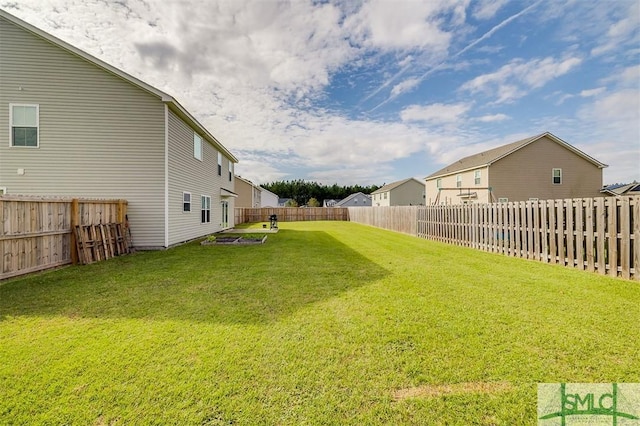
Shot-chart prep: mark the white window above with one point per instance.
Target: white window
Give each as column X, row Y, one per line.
column 219, row 164
column 186, row 201
column 503, row 200
column 3, row 190
column 205, row 209
column 25, row 121
column 459, row 181
column 557, row 176
column 230, row 170
column 439, row 183
column 197, row 147
column 476, row 176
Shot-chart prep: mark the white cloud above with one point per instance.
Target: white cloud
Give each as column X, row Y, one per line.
column 404, row 86
column 623, row 32
column 435, row 113
column 493, row 118
column 403, row 25
column 486, row 9
column 515, row 79
column 592, row 92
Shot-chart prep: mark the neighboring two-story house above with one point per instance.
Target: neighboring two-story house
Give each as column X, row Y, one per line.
column 73, row 125
column 407, row 192
column 540, row 167
column 249, row 194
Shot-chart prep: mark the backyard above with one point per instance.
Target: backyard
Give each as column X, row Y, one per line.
column 324, row 323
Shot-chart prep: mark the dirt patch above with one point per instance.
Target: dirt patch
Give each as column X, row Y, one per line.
column 436, row 391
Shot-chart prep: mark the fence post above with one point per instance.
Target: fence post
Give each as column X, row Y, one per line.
column 75, row 221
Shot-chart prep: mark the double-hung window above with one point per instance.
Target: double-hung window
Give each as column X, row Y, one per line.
column 476, row 177
column 219, row 164
column 439, row 183
column 459, row 181
column 206, row 209
column 197, row 147
column 25, row 123
column 186, row 201
column 557, row 176
column 230, row 170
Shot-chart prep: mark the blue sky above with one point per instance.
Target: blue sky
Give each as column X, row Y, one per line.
column 369, row 92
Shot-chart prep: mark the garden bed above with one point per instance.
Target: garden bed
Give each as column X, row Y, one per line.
column 230, row 239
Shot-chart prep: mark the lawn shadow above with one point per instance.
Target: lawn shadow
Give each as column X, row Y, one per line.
column 222, row 284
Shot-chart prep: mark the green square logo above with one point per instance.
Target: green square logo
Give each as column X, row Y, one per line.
column 567, row 404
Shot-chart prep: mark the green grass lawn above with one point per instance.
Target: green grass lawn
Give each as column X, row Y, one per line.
column 325, row 323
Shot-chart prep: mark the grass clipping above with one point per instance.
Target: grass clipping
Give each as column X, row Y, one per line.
column 436, row 391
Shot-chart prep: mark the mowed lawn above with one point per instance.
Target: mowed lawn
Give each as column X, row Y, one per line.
column 326, row 323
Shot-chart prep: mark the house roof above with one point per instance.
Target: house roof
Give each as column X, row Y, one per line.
column 172, row 103
column 351, row 197
column 489, row 157
column 394, row 185
column 622, row 188
column 247, row 181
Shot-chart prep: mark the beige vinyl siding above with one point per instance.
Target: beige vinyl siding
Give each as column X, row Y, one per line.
column 526, row 173
column 100, row 136
column 245, row 193
column 409, row 193
column 187, row 174
column 450, row 192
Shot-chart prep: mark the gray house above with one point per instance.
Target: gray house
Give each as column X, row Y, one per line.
column 73, row 125
column 358, row 199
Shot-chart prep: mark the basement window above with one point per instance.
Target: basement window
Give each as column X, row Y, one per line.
column 25, row 123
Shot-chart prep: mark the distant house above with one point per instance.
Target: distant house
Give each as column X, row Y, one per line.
column 268, row 198
column 329, row 203
column 621, row 189
column 540, row 167
column 73, row 125
column 249, row 194
column 407, row 192
column 358, row 199
column 282, row 202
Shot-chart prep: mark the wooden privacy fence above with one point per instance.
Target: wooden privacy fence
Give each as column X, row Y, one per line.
column 38, row 233
column 594, row 234
column 290, row 214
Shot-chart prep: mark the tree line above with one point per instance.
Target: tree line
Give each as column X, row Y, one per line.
column 314, row 193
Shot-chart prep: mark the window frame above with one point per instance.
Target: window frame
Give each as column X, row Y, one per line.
column 219, row 164
column 205, row 209
column 458, row 181
column 186, row 203
column 477, row 177
column 11, row 126
column 230, row 170
column 553, row 176
column 439, row 183
column 3, row 190
column 197, row 146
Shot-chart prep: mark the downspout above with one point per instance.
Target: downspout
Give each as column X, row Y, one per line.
column 166, row 175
